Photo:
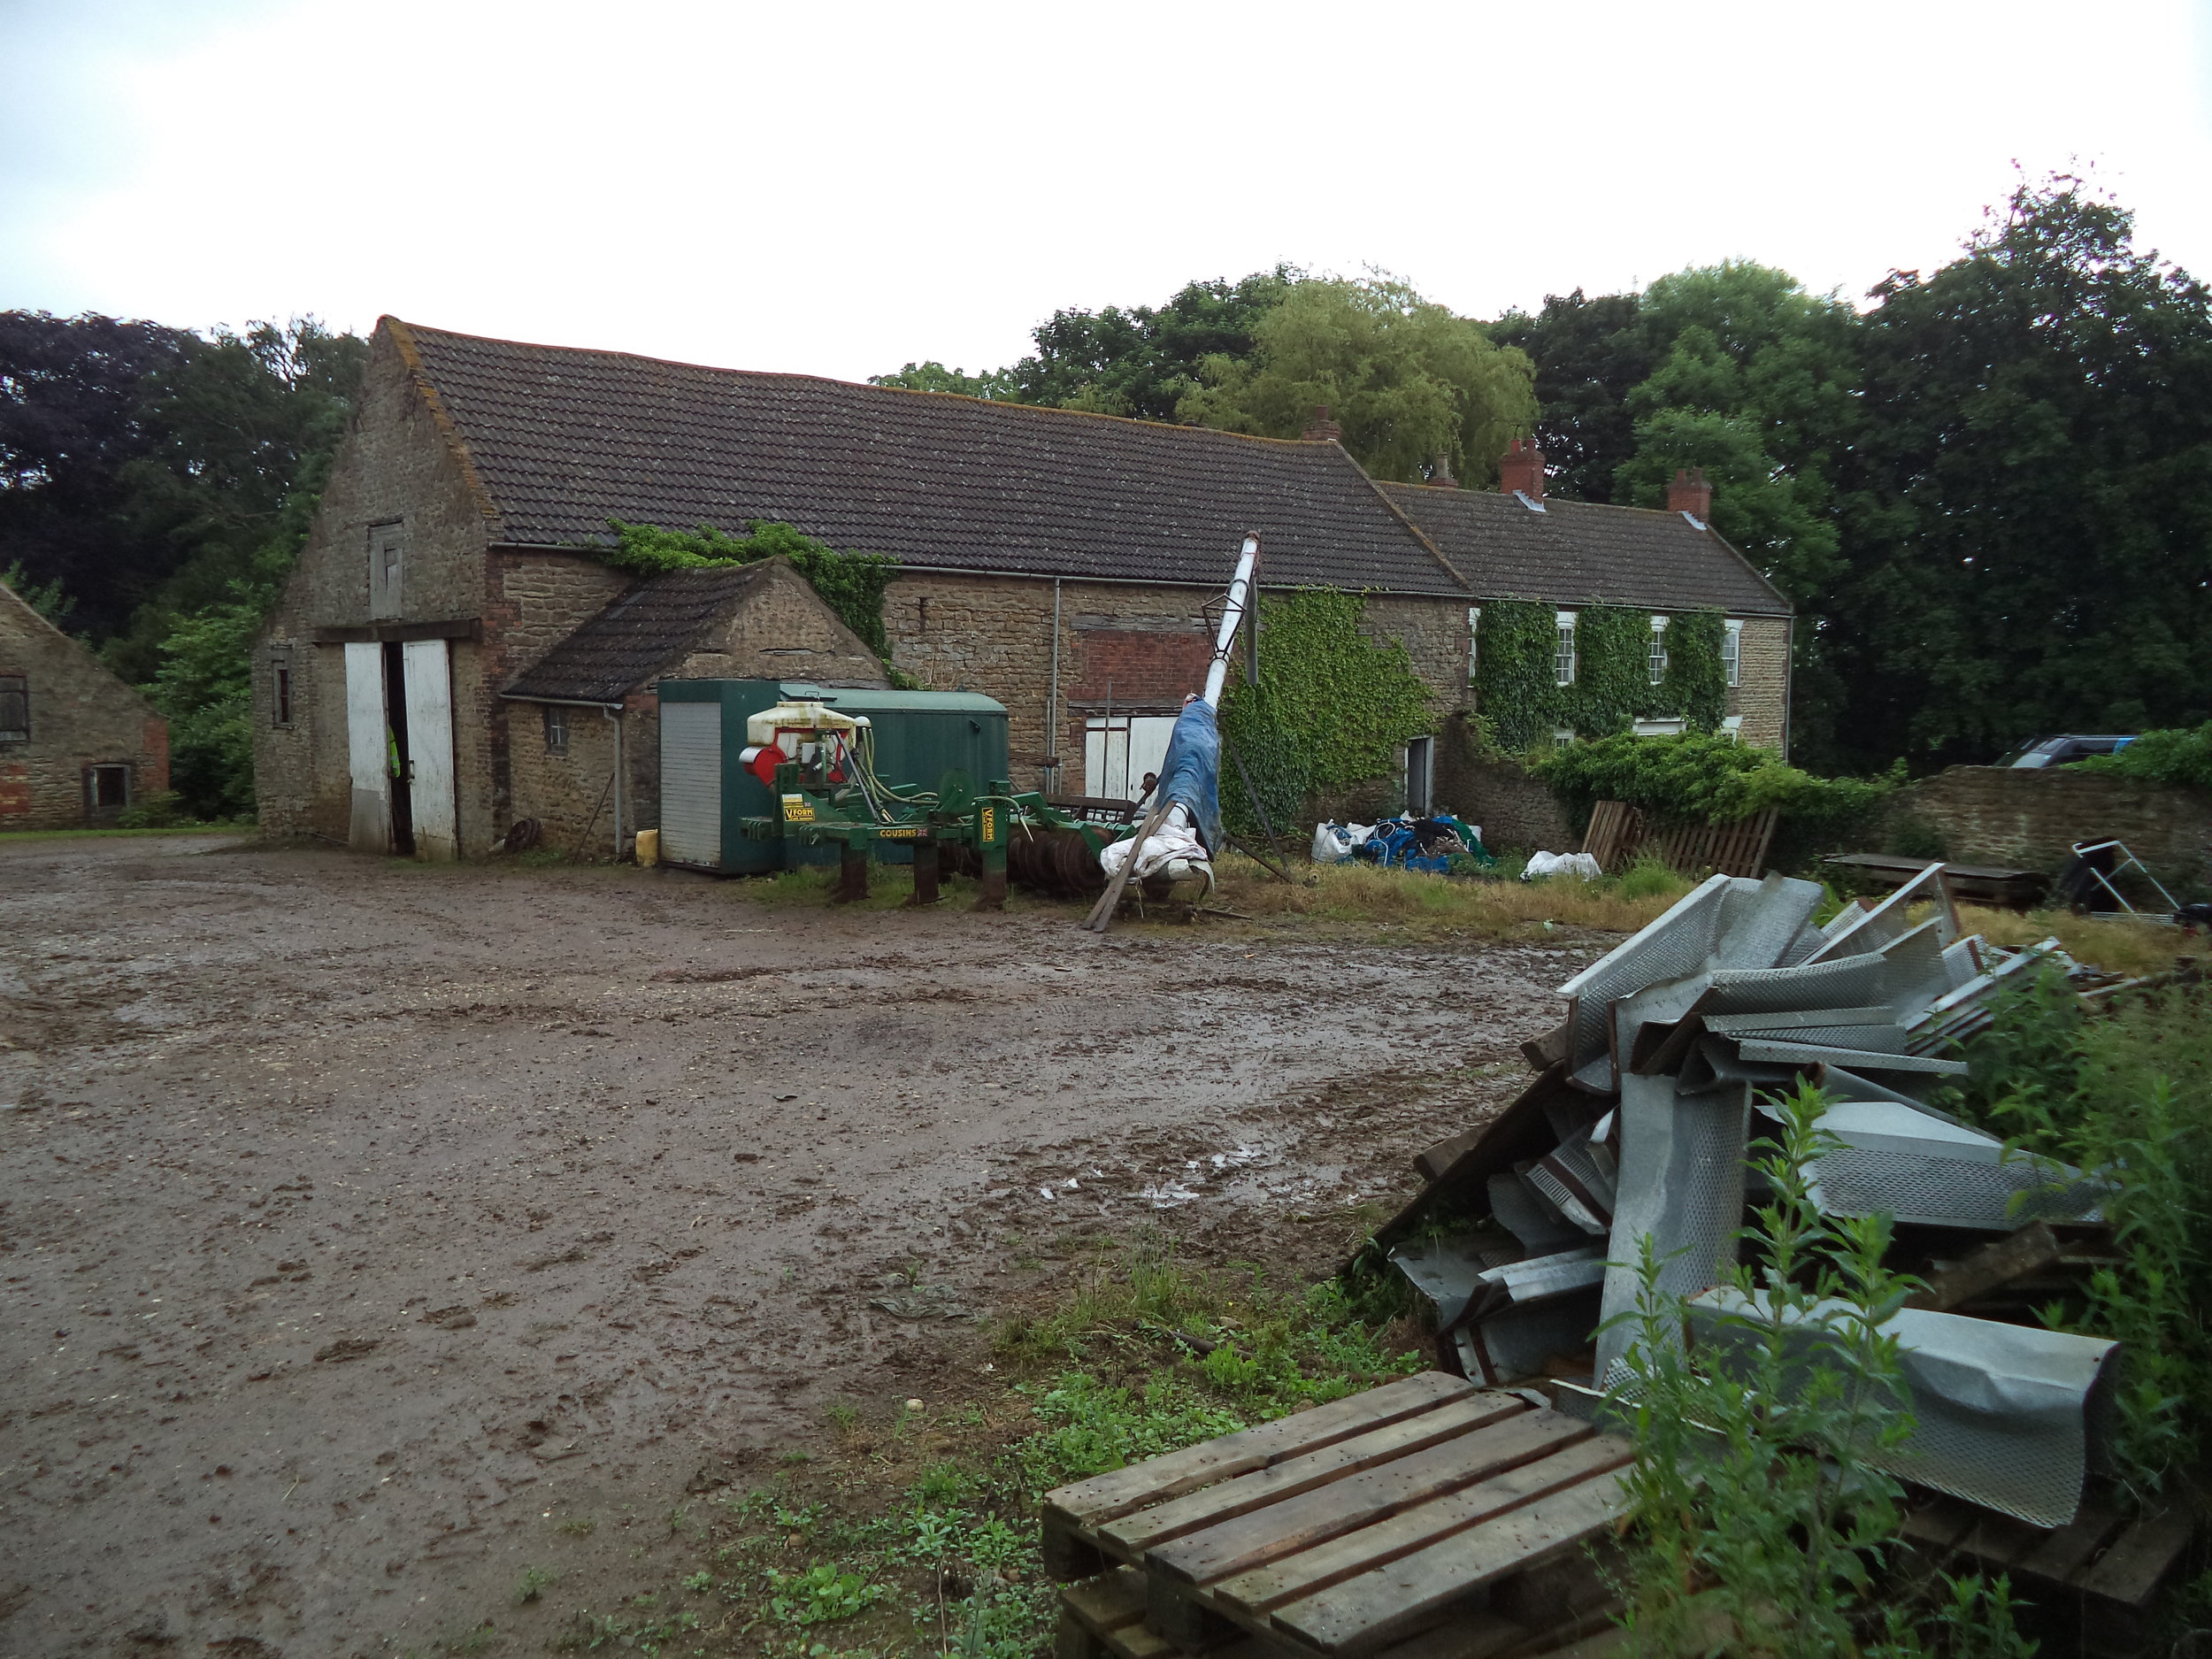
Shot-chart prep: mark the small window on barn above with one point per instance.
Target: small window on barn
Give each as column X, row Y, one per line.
column 1732, row 653
column 15, row 709
column 1563, row 662
column 280, row 692
column 1657, row 660
column 555, row 729
column 107, row 788
column 1474, row 641
column 385, row 546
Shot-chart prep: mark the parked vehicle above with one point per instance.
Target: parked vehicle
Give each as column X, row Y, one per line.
column 2057, row 751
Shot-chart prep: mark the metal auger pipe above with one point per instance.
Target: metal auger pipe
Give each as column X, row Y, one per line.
column 1232, row 613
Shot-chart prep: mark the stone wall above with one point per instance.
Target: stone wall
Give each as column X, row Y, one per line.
column 1761, row 693
column 1513, row 809
column 81, row 716
column 994, row 634
column 2031, row 819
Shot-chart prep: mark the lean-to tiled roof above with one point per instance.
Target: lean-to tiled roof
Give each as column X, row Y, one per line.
column 560, row 440
column 639, row 634
column 1578, row 552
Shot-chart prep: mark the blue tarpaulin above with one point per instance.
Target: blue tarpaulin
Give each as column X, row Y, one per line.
column 1191, row 772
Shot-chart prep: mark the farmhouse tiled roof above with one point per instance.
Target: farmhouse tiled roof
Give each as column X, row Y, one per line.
column 1577, row 552
column 561, row 440
column 641, row 632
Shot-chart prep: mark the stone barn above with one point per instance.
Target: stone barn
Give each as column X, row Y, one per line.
column 77, row 745
column 1057, row 561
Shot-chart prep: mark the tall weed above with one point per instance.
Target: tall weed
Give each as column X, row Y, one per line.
column 2127, row 1095
column 1764, row 1524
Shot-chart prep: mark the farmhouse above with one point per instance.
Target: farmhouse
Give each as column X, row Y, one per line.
column 455, row 652
column 77, row 745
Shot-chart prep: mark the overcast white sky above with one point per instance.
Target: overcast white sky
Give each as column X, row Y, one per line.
column 838, row 189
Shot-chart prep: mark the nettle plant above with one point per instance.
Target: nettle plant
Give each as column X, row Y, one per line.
column 1763, row 1523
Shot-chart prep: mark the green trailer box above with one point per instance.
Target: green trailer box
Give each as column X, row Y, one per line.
column 705, row 790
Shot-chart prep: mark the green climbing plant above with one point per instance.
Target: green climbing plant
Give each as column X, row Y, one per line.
column 1516, row 679
column 1696, row 686
column 851, row 584
column 1331, row 708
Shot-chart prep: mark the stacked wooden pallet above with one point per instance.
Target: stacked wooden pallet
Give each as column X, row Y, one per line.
column 1618, row 834
column 1427, row 1519
column 2104, row 1568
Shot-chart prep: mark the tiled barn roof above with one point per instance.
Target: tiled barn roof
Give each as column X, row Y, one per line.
column 561, row 440
column 1578, row 552
column 641, row 632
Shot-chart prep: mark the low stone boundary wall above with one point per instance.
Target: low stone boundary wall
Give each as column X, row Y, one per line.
column 1989, row 814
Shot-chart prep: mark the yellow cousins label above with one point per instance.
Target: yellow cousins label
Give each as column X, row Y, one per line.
column 797, row 810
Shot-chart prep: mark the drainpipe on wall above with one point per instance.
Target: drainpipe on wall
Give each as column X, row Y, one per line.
column 1052, row 700
column 1789, row 683
column 614, row 713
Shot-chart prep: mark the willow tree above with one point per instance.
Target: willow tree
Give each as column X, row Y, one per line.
column 1406, row 378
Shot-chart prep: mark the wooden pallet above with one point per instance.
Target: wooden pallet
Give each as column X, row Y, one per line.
column 1422, row 1507
column 2113, row 1565
column 1618, row 834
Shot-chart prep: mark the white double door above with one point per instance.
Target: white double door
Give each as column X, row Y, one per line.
column 1120, row 750
column 399, row 748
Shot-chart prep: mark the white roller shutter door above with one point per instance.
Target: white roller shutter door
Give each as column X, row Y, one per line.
column 691, row 784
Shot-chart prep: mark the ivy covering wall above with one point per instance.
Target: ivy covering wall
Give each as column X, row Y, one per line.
column 851, row 584
column 1523, row 704
column 1331, row 709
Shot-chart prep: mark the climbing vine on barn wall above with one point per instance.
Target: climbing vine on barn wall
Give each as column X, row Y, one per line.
column 1330, row 708
column 1516, row 682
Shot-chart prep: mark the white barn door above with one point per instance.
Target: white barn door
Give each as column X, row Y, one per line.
column 429, row 675
column 368, row 751
column 1117, row 751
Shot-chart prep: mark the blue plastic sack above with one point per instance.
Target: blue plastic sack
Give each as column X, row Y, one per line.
column 1191, row 773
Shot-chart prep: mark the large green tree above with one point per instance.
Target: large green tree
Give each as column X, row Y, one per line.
column 1407, row 379
column 247, row 425
column 72, row 420
column 1144, row 360
column 1753, row 380
column 2030, row 512
column 1590, row 354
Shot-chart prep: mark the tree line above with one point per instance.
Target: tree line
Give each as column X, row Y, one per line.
column 1988, row 489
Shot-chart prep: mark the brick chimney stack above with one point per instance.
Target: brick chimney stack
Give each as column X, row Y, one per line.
column 1690, row 493
column 1440, row 471
column 1522, row 468
column 1321, row 429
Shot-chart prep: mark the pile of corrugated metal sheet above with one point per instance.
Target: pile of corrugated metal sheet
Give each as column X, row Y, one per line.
column 1641, row 1130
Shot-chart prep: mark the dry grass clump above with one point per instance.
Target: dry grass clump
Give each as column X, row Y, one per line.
column 2117, row 947
column 1414, row 900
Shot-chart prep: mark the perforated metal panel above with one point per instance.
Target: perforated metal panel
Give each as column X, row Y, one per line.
column 1948, row 1191
column 2003, row 1414
column 1682, row 1186
column 691, row 784
column 1677, row 944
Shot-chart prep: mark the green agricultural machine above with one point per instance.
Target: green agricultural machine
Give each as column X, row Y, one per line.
column 818, row 763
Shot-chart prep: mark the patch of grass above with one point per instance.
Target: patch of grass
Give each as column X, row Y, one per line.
column 2118, row 946
column 577, row 1526
column 1421, row 902
column 535, row 1581
column 910, row 1540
